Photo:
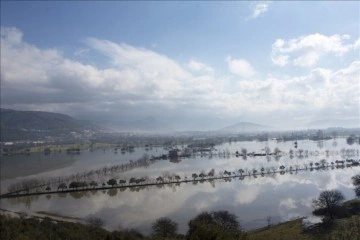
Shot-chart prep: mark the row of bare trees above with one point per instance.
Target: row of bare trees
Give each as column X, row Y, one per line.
column 168, row 178
column 87, row 179
column 35, row 184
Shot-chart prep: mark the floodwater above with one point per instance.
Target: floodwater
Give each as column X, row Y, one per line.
column 252, row 199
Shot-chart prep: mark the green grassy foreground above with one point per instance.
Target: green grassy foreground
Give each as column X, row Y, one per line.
column 348, row 228
column 35, row 228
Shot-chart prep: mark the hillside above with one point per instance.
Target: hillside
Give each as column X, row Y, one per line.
column 48, row 228
column 32, row 125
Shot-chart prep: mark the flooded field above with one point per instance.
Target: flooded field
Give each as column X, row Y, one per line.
column 252, row 198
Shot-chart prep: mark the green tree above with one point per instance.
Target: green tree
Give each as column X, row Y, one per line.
column 164, row 228
column 327, row 203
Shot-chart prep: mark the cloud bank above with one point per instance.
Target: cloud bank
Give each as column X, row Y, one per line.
column 306, row 51
column 135, row 83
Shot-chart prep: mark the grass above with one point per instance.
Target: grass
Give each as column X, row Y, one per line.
column 340, row 229
column 33, row 228
column 288, row 230
column 353, row 206
column 57, row 215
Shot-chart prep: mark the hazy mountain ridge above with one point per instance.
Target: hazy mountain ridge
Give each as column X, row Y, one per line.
column 245, row 127
column 37, row 125
column 20, row 125
column 334, row 123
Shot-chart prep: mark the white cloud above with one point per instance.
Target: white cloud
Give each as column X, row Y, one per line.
column 356, row 44
column 288, row 203
column 240, row 67
column 259, row 9
column 142, row 82
column 81, row 52
column 306, row 51
column 136, row 77
column 23, row 63
column 199, row 67
column 280, row 60
column 247, row 195
column 11, row 35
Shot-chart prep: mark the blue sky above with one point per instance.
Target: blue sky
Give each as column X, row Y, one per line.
column 196, row 65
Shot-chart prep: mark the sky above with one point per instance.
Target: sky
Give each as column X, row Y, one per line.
column 183, row 65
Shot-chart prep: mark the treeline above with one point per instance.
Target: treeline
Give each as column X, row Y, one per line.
column 87, row 181
column 102, row 173
column 217, row 225
column 89, row 176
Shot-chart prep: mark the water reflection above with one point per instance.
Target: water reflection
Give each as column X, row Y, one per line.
column 62, row 195
column 112, row 192
column 24, row 165
column 222, row 158
column 251, row 199
column 25, row 201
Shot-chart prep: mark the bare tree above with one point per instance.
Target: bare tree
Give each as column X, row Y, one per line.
column 356, row 182
column 227, row 220
column 62, row 186
column 268, row 219
column 112, row 182
column 328, row 202
column 164, row 228
column 350, row 140
column 243, row 151
column 211, row 173
column 93, row 184
column 215, row 225
column 276, row 151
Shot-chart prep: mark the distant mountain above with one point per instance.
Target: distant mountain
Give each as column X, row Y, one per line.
column 334, row 123
column 245, row 127
column 30, row 125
